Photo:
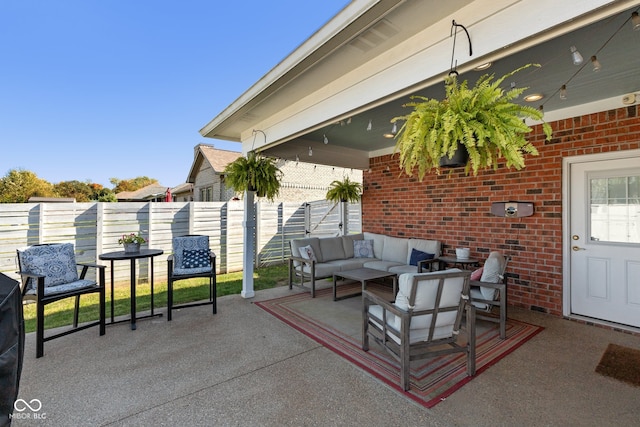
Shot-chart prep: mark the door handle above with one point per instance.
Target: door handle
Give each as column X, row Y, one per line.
column 578, row 248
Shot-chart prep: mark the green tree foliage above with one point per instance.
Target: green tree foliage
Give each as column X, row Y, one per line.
column 17, row 186
column 81, row 191
column 134, row 184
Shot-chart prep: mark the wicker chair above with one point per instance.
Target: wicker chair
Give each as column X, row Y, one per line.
column 424, row 321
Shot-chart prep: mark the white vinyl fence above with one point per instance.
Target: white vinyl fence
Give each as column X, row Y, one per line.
column 94, row 228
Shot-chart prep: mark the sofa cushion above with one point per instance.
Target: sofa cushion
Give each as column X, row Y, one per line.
column 347, row 243
column 492, row 273
column 428, row 246
column 296, row 244
column 331, row 248
column 417, row 256
column 348, row 264
column 378, row 264
column 323, row 269
column 404, row 268
column 363, row 249
column 395, row 249
column 378, row 243
column 307, row 252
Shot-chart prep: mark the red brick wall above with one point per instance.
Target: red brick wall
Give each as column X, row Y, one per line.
column 455, row 208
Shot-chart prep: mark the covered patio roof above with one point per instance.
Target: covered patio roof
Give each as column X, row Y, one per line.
column 363, row 65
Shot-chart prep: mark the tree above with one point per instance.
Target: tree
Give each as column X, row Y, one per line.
column 81, row 191
column 134, row 184
column 19, row 185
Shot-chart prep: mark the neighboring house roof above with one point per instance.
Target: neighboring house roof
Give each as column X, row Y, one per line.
column 218, row 159
column 145, row 193
column 182, row 188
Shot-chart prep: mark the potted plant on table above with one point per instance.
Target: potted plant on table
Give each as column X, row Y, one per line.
column 344, row 191
column 482, row 121
column 131, row 242
column 254, row 173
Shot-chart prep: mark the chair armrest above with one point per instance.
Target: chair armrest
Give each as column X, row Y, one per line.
column 369, row 297
column 423, row 263
column 25, row 278
column 498, row 285
column 303, row 260
column 91, row 265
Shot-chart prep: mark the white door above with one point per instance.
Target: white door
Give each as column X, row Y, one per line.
column 605, row 240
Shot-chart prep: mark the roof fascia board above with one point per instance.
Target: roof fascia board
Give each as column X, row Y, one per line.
column 411, row 65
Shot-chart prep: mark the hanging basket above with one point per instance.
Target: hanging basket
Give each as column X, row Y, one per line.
column 459, row 159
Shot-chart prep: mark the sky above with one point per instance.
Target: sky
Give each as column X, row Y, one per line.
column 97, row 89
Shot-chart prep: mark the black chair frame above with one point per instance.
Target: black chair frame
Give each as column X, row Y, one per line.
column 172, row 278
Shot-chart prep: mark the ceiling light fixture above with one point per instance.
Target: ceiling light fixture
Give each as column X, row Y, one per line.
column 394, row 131
column 370, row 125
column 575, row 56
column 310, row 151
column 596, row 64
column 563, row 92
column 325, row 139
column 533, row 97
column 484, row 66
column 635, row 20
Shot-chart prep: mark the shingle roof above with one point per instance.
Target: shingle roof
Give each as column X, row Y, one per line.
column 218, row 159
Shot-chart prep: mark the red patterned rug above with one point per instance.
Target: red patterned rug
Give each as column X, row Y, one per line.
column 432, row 380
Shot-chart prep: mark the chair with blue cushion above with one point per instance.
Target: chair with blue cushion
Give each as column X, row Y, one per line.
column 49, row 273
column 191, row 258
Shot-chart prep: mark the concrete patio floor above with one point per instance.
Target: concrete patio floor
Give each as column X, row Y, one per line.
column 245, row 367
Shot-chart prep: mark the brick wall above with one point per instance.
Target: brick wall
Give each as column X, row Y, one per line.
column 455, row 208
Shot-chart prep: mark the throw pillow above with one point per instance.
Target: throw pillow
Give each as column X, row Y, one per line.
column 363, row 249
column 195, row 258
column 306, row 252
column 417, row 256
column 477, row 274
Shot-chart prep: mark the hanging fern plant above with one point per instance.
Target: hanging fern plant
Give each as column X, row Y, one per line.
column 483, row 119
column 344, row 191
column 254, row 173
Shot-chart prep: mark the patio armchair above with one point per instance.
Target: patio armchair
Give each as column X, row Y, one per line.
column 491, row 291
column 424, row 321
column 191, row 258
column 49, row 273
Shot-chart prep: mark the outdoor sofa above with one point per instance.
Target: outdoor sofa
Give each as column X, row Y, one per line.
column 315, row 258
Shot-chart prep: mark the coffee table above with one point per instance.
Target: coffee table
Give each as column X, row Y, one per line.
column 363, row 275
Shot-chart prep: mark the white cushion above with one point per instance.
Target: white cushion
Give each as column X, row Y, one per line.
column 331, row 248
column 347, row 243
column 307, row 252
column 377, row 264
column 395, row 249
column 378, row 243
column 296, row 244
column 492, row 273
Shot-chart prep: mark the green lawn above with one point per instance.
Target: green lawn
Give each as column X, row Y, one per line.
column 61, row 313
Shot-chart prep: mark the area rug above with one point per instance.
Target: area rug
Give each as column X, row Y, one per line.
column 432, row 380
column 621, row 363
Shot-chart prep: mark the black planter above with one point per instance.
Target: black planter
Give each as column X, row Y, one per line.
column 460, row 158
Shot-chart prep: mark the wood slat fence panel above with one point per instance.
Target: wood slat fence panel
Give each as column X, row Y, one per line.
column 95, row 228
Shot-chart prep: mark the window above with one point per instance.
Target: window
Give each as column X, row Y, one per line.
column 615, row 208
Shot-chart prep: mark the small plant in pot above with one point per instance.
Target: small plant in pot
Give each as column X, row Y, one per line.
column 254, row 173
column 344, row 191
column 482, row 120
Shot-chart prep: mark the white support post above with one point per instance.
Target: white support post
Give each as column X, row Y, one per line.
column 249, row 226
column 344, row 218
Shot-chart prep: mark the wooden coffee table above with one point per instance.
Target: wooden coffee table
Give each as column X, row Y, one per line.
column 364, row 275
